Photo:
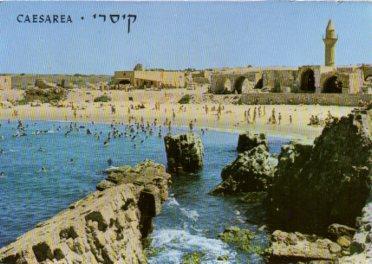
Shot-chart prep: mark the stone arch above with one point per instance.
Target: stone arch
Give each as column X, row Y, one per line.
column 308, row 81
column 259, row 84
column 242, row 84
column 332, row 85
column 124, row 82
column 368, row 78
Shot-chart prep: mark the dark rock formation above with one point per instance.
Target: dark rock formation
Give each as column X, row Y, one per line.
column 105, row 227
column 252, row 171
column 336, row 231
column 324, row 184
column 248, row 141
column 297, row 247
column 184, row 152
column 361, row 244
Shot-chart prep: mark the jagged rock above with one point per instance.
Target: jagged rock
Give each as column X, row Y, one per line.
column 105, row 227
column 324, row 184
column 344, row 241
column 337, row 230
column 184, row 152
column 296, row 247
column 248, row 141
column 252, row 171
column 361, row 244
column 104, row 184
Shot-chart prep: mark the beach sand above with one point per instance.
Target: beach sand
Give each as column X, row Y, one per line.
column 232, row 117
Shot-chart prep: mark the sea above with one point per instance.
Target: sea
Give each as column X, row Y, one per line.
column 45, row 166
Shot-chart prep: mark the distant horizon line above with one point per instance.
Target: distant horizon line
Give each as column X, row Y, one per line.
column 185, row 69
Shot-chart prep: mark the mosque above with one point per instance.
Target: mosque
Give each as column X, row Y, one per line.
column 318, row 79
column 327, row 78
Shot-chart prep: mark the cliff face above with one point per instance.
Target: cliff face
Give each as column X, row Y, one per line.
column 107, row 226
column 324, row 184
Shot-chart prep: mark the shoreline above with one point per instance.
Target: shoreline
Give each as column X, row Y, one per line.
column 163, row 106
column 269, row 132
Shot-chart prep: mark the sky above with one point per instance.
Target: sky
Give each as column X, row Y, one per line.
column 180, row 35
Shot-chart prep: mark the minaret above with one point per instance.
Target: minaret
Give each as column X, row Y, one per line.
column 330, row 44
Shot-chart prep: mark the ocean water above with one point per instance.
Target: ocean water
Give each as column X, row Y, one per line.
column 42, row 173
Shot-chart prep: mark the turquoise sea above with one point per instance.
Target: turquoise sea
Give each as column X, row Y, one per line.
column 44, row 168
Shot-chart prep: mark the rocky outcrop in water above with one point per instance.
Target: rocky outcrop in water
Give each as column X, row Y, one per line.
column 105, row 227
column 248, row 141
column 252, row 171
column 184, row 152
column 297, row 247
column 328, row 183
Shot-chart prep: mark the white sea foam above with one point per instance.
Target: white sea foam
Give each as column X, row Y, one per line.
column 172, row 202
column 174, row 243
column 191, row 214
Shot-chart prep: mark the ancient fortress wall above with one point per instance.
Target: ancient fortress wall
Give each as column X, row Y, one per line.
column 167, row 78
column 22, row 81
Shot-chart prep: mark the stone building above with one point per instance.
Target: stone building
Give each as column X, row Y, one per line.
column 150, row 78
column 329, row 78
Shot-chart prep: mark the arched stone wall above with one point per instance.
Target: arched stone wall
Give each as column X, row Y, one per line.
column 124, row 82
column 243, row 85
column 332, row 84
column 307, row 81
column 317, row 78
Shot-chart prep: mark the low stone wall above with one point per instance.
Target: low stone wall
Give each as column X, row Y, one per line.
column 105, row 227
column 23, row 81
column 304, row 98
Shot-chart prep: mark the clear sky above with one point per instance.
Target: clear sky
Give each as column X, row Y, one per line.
column 181, row 35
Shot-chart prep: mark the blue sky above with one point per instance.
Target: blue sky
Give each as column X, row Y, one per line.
column 180, row 35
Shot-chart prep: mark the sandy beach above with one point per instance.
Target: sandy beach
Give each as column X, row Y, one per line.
column 160, row 106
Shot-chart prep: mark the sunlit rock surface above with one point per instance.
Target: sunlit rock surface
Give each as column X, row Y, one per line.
column 105, row 227
column 252, row 171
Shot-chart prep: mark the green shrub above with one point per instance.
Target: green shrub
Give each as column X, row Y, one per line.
column 103, row 98
column 23, row 101
column 192, row 258
column 50, row 95
column 185, row 99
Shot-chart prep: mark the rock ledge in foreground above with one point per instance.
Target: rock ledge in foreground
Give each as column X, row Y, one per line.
column 105, row 227
column 295, row 247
